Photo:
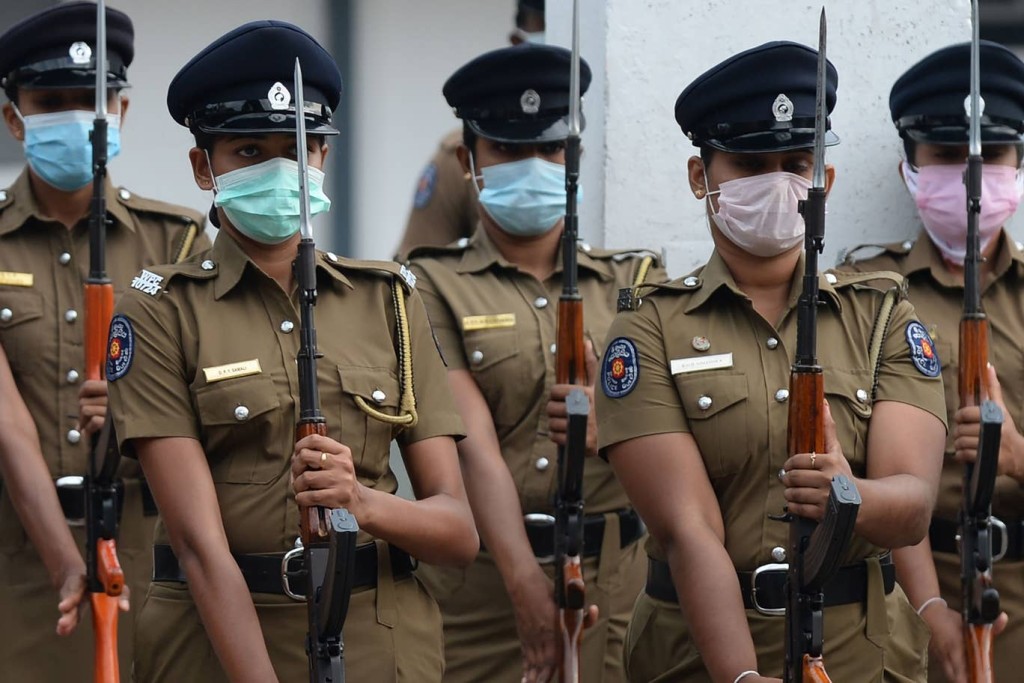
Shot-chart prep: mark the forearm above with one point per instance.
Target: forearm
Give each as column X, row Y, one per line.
column 437, row 529
column 915, row 570
column 895, row 511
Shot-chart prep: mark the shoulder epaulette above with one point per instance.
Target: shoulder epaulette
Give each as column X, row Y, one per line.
column 848, row 257
column 382, row 268
column 455, row 247
column 630, row 298
column 847, row 279
column 144, row 204
column 154, row 279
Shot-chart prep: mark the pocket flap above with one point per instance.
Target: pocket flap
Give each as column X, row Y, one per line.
column 705, row 396
column 854, row 388
column 235, row 401
column 377, row 386
column 24, row 305
column 489, row 347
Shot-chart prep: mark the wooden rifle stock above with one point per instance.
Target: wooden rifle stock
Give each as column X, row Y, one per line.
column 313, row 523
column 814, row 670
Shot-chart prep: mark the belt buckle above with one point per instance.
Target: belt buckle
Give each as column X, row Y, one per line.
column 765, row 569
column 285, row 582
column 1004, row 536
column 541, row 519
column 72, row 483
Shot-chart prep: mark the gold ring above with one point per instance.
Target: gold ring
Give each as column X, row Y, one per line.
column 323, row 458
column 813, row 457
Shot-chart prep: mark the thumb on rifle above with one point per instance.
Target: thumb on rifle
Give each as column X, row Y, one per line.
column 995, row 391
column 591, row 361
column 831, row 438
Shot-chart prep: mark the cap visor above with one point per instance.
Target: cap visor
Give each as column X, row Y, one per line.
column 262, row 122
column 523, row 130
column 772, row 141
column 958, row 135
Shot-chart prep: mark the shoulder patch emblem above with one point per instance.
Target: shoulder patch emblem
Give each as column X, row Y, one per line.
column 620, row 369
column 147, row 282
column 425, row 186
column 408, row 276
column 120, row 348
column 922, row 350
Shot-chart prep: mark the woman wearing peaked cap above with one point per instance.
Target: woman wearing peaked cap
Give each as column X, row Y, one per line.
column 492, row 302
column 927, row 106
column 204, row 393
column 694, row 407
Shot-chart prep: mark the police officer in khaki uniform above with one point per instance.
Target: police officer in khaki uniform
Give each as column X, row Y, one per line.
column 203, row 390
column 927, row 106
column 492, row 300
column 444, row 205
column 48, row 76
column 694, row 401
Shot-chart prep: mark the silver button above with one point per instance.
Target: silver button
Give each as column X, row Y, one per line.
column 585, row 246
column 6, row 314
column 3, row 195
column 704, row 402
column 64, row 258
column 332, row 257
column 72, row 376
column 124, row 194
column 378, row 396
column 862, row 396
column 691, row 281
column 477, row 357
column 554, row 348
column 779, row 554
column 908, row 244
column 207, row 265
column 287, row 326
column 772, row 343
column 541, row 464
column 462, row 243
column 71, row 315
column 782, row 395
column 74, row 436
column 540, row 302
column 1020, row 246
column 831, row 279
column 241, row 413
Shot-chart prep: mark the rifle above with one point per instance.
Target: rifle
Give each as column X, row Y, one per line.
column 980, row 606
column 327, row 537
column 570, row 368
column 815, row 550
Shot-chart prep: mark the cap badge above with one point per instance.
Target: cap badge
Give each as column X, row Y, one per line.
column 782, row 108
column 530, row 102
column 981, row 105
column 80, row 53
column 279, row 97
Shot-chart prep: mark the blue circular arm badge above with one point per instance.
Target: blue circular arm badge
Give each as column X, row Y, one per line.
column 620, row 369
column 120, row 348
column 425, row 186
column 922, row 350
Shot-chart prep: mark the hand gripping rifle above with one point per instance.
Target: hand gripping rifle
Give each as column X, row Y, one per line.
column 815, row 550
column 570, row 368
column 980, row 606
column 328, row 536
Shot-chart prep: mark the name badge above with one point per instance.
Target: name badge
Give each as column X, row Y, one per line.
column 681, row 365
column 488, row 322
column 232, row 370
column 16, row 279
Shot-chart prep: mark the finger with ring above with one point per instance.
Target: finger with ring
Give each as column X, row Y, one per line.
column 813, row 458
column 323, row 458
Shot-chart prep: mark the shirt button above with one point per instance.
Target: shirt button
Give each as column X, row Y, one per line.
column 862, row 396
column 71, row 315
column 779, row 554
column 6, row 314
column 831, row 279
column 704, row 402
column 691, row 281
column 287, row 326
column 540, row 302
column 554, row 348
column 241, row 413
column 72, row 376
column 585, row 246
column 332, row 257
column 3, row 195
column 908, row 244
column 378, row 396
column 207, row 265
column 541, row 464
column 462, row 243
column 782, row 395
column 477, row 357
column 124, row 194
column 74, row 436
column 64, row 258
column 772, row 343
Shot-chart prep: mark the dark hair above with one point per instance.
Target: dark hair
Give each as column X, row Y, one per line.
column 469, row 138
column 524, row 14
column 707, row 153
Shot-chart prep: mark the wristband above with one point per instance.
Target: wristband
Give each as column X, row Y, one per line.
column 926, row 604
column 744, row 675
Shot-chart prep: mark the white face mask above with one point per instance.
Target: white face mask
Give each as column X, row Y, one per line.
column 760, row 213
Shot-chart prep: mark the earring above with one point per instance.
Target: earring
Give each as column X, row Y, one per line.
column 699, row 193
column 467, row 175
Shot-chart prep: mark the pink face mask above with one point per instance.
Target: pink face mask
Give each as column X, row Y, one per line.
column 759, row 213
column 941, row 199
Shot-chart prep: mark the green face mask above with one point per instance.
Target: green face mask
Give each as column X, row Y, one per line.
column 262, row 201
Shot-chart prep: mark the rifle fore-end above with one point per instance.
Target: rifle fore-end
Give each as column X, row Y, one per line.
column 570, row 361
column 806, row 412
column 973, row 359
column 814, row 670
column 99, row 309
column 314, row 522
column 108, row 567
column 978, row 641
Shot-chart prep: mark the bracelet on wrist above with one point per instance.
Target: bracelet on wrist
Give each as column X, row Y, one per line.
column 929, row 602
column 744, row 675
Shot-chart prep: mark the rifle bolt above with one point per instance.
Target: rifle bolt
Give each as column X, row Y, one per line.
column 6, row 314
column 782, row 395
column 779, row 554
column 540, row 302
column 71, row 315
column 477, row 357
column 241, row 413
column 74, row 436
column 772, row 343
column 207, row 265
column 862, row 396
column 542, row 464
column 64, row 258
column 72, row 376
column 287, row 326
column 704, row 402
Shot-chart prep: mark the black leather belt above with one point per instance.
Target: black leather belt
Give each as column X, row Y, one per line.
column 943, row 534
column 540, row 530
column 263, row 572
column 764, row 589
column 71, row 495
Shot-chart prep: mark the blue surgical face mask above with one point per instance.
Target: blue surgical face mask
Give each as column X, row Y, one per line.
column 526, row 197
column 58, row 149
column 262, row 200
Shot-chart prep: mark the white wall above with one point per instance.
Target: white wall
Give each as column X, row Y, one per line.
column 653, row 48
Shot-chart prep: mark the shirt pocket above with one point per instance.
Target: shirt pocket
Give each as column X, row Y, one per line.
column 849, row 398
column 21, row 324
column 241, row 425
column 716, row 408
column 368, row 437
column 493, row 357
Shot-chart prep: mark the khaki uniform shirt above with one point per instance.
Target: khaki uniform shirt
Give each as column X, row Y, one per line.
column 444, row 207
column 500, row 324
column 708, row 365
column 211, row 356
column 43, row 266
